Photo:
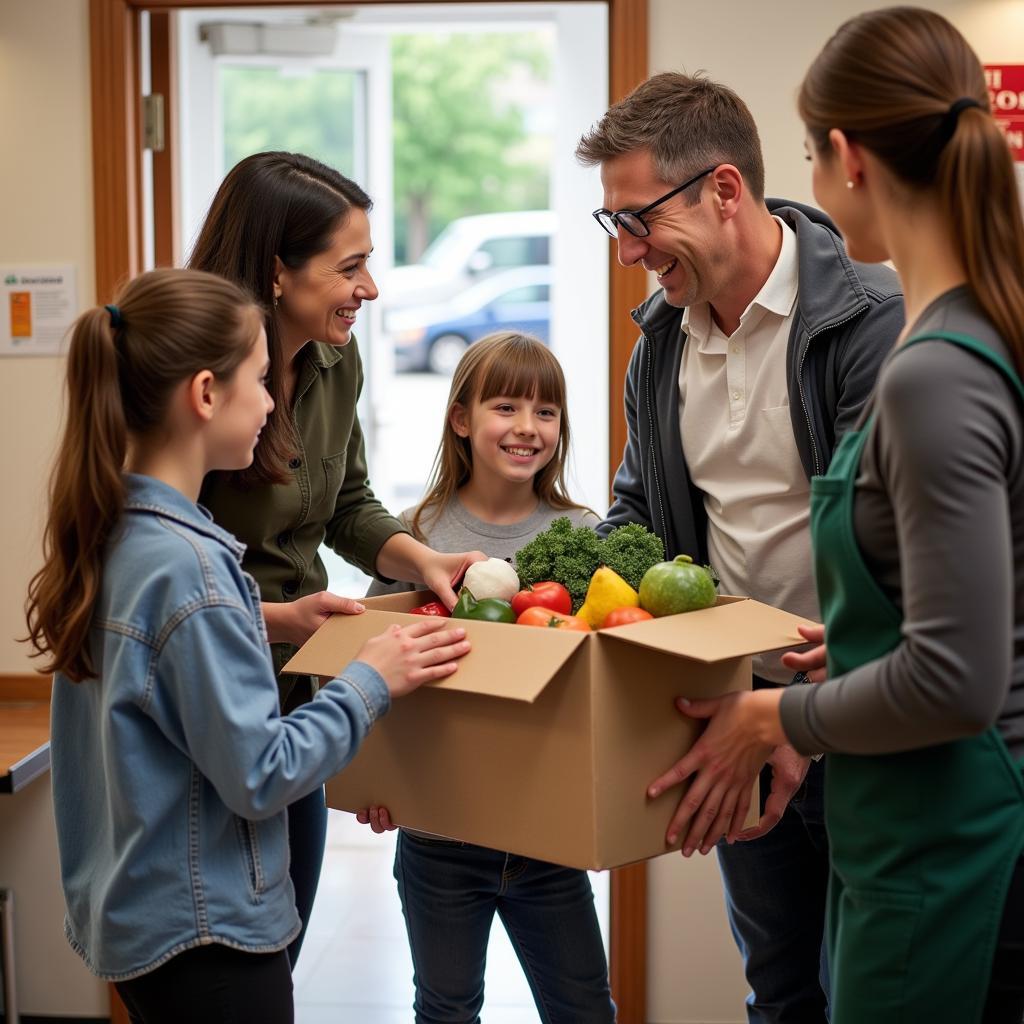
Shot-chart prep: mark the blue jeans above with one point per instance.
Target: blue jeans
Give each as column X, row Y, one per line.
column 450, row 892
column 307, row 837
column 775, row 894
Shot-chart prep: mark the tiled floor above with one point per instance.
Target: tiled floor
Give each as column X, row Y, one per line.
column 355, row 966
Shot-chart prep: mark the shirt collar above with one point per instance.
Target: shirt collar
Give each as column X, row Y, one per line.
column 147, row 494
column 323, row 355
column 777, row 294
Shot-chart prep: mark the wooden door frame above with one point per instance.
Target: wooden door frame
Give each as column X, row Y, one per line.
column 117, row 203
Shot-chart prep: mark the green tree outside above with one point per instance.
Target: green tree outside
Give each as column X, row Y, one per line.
column 461, row 142
column 311, row 113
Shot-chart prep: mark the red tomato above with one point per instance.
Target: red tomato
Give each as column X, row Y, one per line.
column 431, row 608
column 623, row 616
column 544, row 595
column 538, row 616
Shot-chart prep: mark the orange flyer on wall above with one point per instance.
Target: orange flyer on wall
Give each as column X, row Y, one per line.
column 21, row 314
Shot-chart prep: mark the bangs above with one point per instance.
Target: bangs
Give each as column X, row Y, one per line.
column 521, row 367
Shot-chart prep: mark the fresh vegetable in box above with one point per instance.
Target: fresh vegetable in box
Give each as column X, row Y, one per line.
column 547, row 594
column 624, row 616
column 545, row 617
column 670, row 588
column 488, row 609
column 431, row 608
column 492, row 578
column 630, row 551
column 570, row 555
column 607, row 591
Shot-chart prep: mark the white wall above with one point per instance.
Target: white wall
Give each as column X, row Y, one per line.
column 46, row 215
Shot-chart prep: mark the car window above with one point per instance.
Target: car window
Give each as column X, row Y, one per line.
column 528, row 293
column 515, row 251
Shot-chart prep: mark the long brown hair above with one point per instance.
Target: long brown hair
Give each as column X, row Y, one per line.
column 888, row 79
column 504, row 363
column 122, row 365
column 273, row 204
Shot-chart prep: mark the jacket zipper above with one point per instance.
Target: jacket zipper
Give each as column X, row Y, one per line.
column 818, row 468
column 651, row 420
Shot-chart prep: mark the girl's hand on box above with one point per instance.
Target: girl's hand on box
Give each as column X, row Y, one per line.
column 743, row 731
column 296, row 621
column 408, row 656
column 378, row 818
column 812, row 662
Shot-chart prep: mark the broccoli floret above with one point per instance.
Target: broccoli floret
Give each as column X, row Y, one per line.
column 631, row 550
column 567, row 554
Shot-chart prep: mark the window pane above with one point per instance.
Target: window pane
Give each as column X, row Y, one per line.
column 312, row 113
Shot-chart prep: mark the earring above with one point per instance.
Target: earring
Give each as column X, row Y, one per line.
column 275, row 302
column 849, row 184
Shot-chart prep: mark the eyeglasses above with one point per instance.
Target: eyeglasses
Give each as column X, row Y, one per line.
column 633, row 220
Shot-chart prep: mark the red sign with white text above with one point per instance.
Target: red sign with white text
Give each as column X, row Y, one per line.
column 1006, row 96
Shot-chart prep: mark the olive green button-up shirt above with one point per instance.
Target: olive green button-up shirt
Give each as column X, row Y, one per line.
column 327, row 500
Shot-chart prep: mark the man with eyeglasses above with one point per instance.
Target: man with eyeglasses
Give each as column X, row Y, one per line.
column 757, row 352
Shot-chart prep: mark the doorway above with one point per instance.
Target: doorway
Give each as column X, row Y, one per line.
column 116, row 43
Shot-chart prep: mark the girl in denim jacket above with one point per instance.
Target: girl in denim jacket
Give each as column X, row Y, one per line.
column 172, row 766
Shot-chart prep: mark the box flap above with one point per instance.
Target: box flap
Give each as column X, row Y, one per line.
column 732, row 628
column 497, row 665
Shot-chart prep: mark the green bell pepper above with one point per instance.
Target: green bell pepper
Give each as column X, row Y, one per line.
column 490, row 609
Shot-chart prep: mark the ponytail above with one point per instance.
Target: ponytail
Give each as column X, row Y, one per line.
column 977, row 185
column 86, row 498
column 170, row 324
column 903, row 83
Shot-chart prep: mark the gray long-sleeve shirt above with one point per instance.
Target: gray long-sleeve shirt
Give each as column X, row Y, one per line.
column 939, row 517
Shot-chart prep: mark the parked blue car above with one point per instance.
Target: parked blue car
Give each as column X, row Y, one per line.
column 434, row 337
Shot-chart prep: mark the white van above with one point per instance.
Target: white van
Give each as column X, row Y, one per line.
column 466, row 251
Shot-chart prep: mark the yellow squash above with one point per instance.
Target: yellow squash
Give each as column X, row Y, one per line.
column 606, row 592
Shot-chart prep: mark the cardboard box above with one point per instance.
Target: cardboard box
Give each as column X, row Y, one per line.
column 544, row 741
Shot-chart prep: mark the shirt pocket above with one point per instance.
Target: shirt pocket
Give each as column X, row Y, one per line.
column 264, row 846
column 326, row 486
column 776, row 450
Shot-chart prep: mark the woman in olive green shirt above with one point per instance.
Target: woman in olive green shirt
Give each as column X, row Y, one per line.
column 296, row 234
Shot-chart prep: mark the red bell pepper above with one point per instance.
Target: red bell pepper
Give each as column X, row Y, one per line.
column 543, row 595
column 432, row 608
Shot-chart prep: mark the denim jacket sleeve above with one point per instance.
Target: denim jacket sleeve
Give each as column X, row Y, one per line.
column 214, row 695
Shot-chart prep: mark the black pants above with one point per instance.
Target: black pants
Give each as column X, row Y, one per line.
column 1005, row 1004
column 213, row 985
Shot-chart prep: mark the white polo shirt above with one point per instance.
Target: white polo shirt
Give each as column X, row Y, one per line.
column 739, row 446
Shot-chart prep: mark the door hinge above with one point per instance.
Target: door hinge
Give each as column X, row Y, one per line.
column 153, row 122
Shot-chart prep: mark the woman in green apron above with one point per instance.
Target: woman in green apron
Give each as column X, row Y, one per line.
column 918, row 530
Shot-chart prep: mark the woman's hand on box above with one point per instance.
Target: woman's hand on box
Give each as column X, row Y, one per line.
column 743, row 731
column 378, row 818
column 408, row 656
column 811, row 662
column 296, row 621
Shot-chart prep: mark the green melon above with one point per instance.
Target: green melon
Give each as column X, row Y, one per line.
column 670, row 588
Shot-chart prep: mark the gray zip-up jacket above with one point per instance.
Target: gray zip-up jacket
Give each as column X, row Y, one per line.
column 847, row 318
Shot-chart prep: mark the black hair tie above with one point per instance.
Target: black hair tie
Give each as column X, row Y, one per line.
column 115, row 317
column 947, row 127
